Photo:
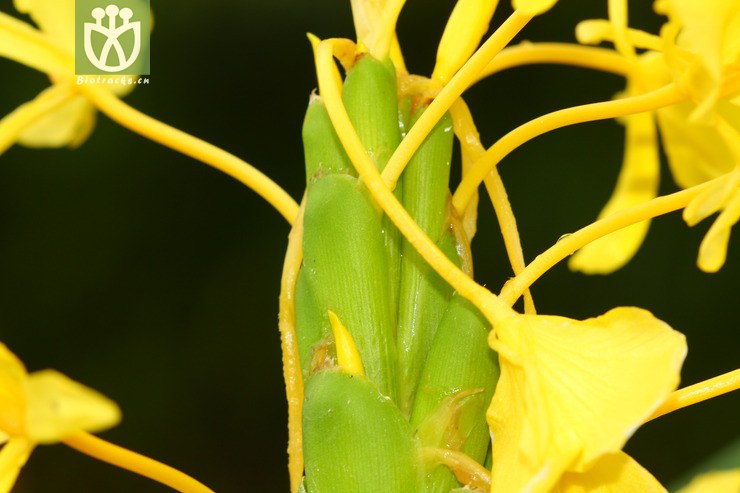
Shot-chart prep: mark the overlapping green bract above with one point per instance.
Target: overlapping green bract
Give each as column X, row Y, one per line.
column 429, row 374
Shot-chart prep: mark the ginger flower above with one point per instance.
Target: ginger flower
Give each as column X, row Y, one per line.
column 698, row 51
column 43, row 407
column 572, row 392
column 59, row 116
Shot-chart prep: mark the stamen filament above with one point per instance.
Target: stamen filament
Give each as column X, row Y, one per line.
column 561, row 54
column 514, row 288
column 470, row 142
column 13, row 124
column 194, row 147
column 659, row 98
column 699, row 392
column 463, row 79
column 465, row 469
column 131, row 461
column 483, row 299
column 291, row 356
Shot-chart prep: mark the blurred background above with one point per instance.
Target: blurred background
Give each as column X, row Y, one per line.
column 154, row 278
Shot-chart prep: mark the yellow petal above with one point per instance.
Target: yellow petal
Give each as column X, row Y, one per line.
column 637, row 183
column 571, row 391
column 12, row 396
column 68, row 125
column 711, row 38
column 58, row 406
column 612, row 473
column 533, row 7
column 55, row 17
column 715, row 482
column 26, row 45
column 712, row 199
column 466, row 26
column 375, row 24
column 13, row 124
column 713, row 248
column 697, row 152
column 13, row 456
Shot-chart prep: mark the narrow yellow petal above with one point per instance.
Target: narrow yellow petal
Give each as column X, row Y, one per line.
column 712, row 199
column 59, row 406
column 70, row 124
column 13, row 457
column 348, row 357
column 577, row 391
column 637, row 183
column 55, row 17
column 713, row 248
column 16, row 122
column 612, row 473
column 715, row 482
column 465, row 28
column 12, row 394
column 26, row 45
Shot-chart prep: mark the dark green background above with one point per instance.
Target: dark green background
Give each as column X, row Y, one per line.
column 155, row 279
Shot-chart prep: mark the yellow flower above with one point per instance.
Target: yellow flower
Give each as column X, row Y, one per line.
column 700, row 52
column 572, row 392
column 42, row 408
column 702, row 47
column 59, row 116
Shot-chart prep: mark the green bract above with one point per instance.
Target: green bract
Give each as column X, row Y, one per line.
column 429, row 373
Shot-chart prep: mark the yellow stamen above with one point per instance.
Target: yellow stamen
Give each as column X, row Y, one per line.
column 470, row 143
column 291, row 356
column 194, row 147
column 466, row 470
column 659, row 98
column 483, row 299
column 514, row 288
column 559, row 53
column 12, row 125
column 137, row 463
column 447, row 96
column 348, row 357
column 702, row 391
